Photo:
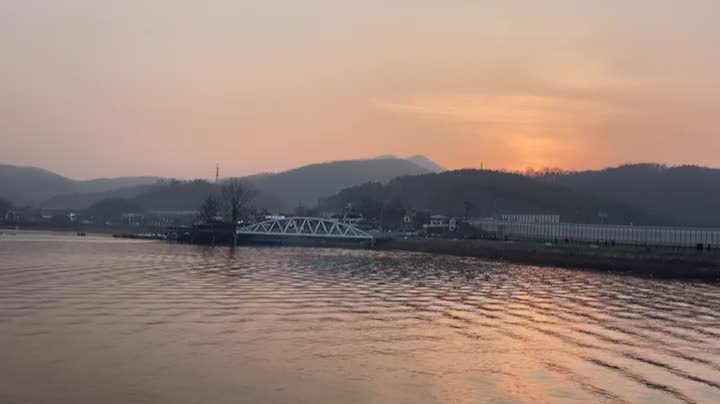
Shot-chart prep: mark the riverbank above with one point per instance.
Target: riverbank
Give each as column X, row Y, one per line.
column 655, row 262
column 81, row 228
column 647, row 262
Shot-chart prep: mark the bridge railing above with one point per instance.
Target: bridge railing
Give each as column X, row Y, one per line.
column 305, row 227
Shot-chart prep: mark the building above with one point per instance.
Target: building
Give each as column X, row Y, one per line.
column 132, row 218
column 162, row 218
column 440, row 225
column 351, row 218
column 530, row 218
column 438, row 220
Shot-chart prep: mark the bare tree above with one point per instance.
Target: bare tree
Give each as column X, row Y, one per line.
column 5, row 207
column 236, row 195
column 209, row 210
column 468, row 205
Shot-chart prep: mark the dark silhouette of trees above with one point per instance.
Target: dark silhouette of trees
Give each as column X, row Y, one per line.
column 301, row 210
column 209, row 210
column 468, row 207
column 686, row 195
column 491, row 192
column 393, row 213
column 176, row 195
column 112, row 208
column 5, row 207
column 235, row 195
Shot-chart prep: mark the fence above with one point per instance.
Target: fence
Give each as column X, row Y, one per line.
column 591, row 233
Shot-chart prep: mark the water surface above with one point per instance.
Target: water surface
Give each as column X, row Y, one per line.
column 100, row 320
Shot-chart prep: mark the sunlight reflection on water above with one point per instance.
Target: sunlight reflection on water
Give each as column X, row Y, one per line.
column 88, row 320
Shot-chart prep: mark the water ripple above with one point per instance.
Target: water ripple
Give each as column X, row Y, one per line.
column 105, row 320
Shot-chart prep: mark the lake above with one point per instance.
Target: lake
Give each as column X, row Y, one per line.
column 103, row 320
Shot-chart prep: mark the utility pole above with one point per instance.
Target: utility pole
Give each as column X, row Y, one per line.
column 212, row 225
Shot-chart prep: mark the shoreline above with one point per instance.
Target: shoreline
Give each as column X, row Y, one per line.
column 647, row 262
column 660, row 263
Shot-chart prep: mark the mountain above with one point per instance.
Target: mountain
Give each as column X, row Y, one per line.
column 689, row 195
column 108, row 184
column 426, row 163
column 25, row 185
column 281, row 192
column 418, row 160
column 305, row 185
column 490, row 193
column 81, row 200
column 639, row 193
column 31, row 185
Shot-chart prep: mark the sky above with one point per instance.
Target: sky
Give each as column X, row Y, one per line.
column 93, row 88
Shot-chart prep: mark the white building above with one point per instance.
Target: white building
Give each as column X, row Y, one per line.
column 530, row 218
column 440, row 224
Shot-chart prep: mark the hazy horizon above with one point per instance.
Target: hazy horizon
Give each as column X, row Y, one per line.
column 210, row 174
column 170, row 88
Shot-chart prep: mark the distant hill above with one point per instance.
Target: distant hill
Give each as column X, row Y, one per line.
column 420, row 160
column 161, row 195
column 638, row 193
column 31, row 185
column 426, row 163
column 305, row 185
column 108, row 184
column 175, row 195
column 81, row 200
column 282, row 192
column 491, row 193
column 689, row 195
column 27, row 185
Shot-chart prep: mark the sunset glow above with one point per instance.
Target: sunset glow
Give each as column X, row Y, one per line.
column 105, row 88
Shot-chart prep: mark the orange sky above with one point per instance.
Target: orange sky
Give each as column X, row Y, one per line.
column 171, row 87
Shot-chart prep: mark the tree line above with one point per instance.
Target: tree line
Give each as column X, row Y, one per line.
column 228, row 201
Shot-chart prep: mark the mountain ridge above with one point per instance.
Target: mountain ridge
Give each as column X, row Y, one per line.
column 286, row 190
column 689, row 194
column 684, row 195
column 26, row 185
column 490, row 193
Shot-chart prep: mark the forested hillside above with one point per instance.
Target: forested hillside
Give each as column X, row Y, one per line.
column 689, row 195
column 490, row 193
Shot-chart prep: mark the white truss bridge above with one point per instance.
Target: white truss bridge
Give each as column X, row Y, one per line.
column 305, row 227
